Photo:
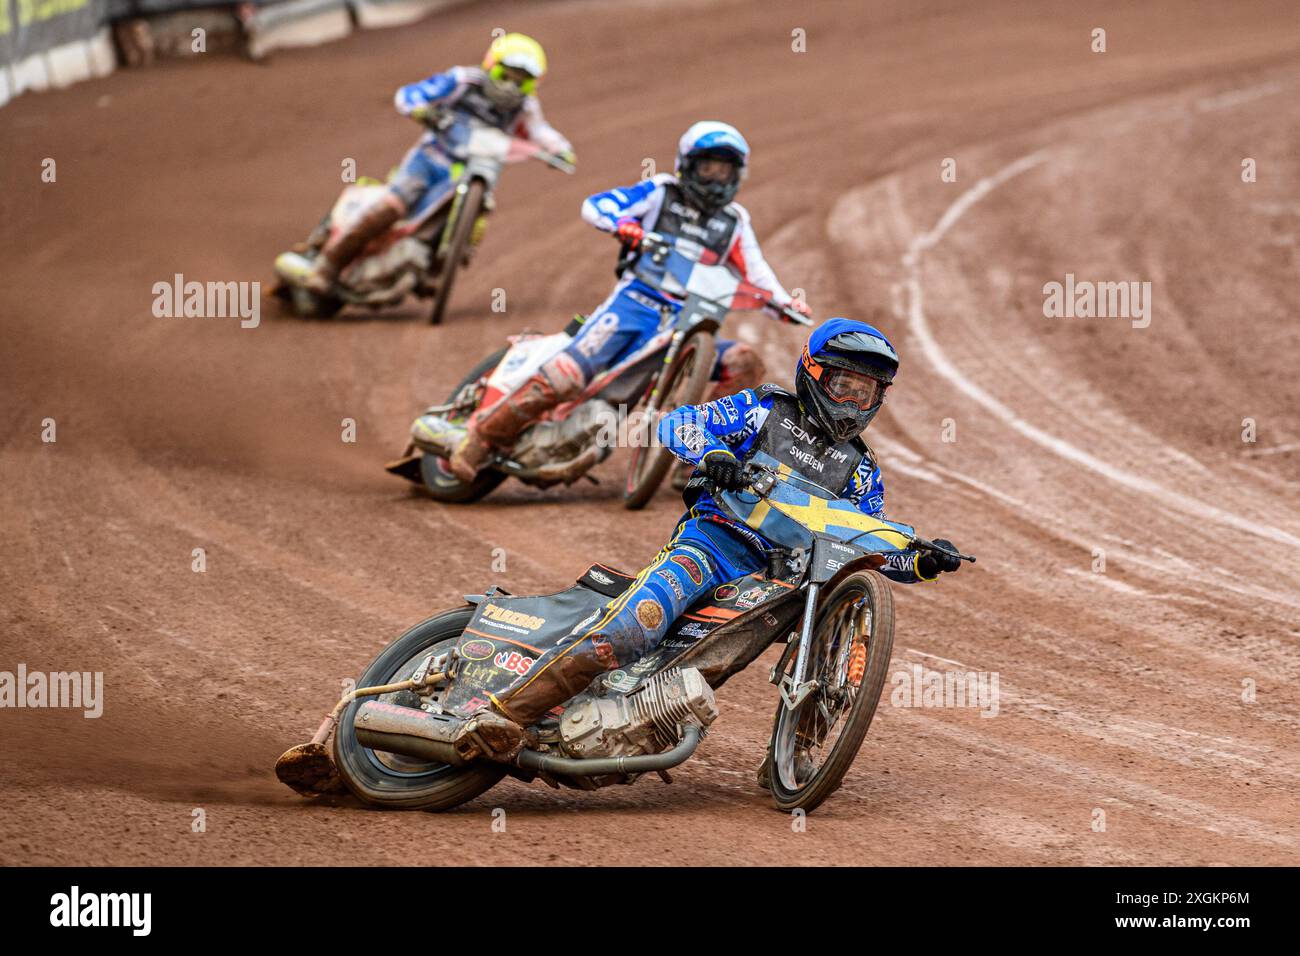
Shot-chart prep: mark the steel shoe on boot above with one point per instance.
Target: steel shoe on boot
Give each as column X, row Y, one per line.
column 341, row 249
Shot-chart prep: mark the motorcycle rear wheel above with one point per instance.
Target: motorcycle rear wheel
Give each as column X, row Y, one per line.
column 859, row 611
column 682, row 383
column 401, row 783
column 458, row 247
column 439, row 482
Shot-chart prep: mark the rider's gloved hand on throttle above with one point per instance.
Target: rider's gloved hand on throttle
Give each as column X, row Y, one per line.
column 630, row 232
column 931, row 563
column 724, row 470
column 800, row 306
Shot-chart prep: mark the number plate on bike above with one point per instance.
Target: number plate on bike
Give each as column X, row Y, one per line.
column 829, row 557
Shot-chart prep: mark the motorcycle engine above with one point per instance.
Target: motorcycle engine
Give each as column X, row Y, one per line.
column 642, row 722
column 551, row 442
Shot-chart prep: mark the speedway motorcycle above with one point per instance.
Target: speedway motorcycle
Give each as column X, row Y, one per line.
column 422, row 253
column 621, row 405
column 417, row 732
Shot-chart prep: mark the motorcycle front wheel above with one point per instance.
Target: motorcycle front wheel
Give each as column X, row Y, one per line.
column 682, row 383
column 462, row 232
column 814, row 744
column 391, row 781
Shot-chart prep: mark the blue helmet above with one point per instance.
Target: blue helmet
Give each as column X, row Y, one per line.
column 842, row 375
column 710, row 139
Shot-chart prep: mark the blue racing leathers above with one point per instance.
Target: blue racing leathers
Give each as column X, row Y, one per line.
column 769, row 423
column 424, row 178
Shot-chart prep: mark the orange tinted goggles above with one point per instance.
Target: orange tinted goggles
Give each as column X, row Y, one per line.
column 843, row 385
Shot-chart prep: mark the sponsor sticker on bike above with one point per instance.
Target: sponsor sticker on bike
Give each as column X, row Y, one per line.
column 695, row 629
column 621, row 680
column 514, row 662
column 493, row 613
column 477, row 649
column 725, row 592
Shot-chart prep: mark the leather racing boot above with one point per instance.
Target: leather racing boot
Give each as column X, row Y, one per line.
column 341, row 249
column 499, row 424
column 563, row 676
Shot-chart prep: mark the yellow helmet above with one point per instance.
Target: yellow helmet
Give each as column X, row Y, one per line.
column 517, row 51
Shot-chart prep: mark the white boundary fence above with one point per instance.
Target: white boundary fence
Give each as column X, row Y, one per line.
column 49, row 44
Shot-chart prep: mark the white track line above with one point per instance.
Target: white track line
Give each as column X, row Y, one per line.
column 914, row 311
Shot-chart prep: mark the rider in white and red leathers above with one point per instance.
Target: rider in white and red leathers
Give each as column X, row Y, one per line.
column 697, row 204
column 499, row 94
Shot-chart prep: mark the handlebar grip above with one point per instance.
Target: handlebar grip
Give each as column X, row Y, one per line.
column 788, row 314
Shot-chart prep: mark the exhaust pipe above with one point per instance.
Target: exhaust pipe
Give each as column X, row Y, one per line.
column 442, row 737
column 414, row 733
column 599, row 766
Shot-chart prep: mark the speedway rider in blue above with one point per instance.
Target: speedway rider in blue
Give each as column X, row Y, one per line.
column 696, row 203
column 840, row 384
column 500, row 94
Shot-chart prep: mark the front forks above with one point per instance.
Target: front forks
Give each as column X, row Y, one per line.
column 454, row 214
column 794, row 689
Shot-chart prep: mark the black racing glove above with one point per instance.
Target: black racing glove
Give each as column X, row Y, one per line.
column 931, row 563
column 724, row 470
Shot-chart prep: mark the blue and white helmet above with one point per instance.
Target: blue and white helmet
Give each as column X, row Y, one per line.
column 710, row 139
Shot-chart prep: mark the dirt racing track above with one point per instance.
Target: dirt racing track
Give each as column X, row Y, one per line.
column 1138, row 586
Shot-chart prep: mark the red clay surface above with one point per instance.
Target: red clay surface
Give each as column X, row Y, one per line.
column 1121, row 691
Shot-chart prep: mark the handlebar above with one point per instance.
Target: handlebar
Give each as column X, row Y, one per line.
column 787, row 314
column 657, row 245
column 438, row 119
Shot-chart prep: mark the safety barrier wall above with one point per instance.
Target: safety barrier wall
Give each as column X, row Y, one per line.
column 48, row 44
column 51, row 43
